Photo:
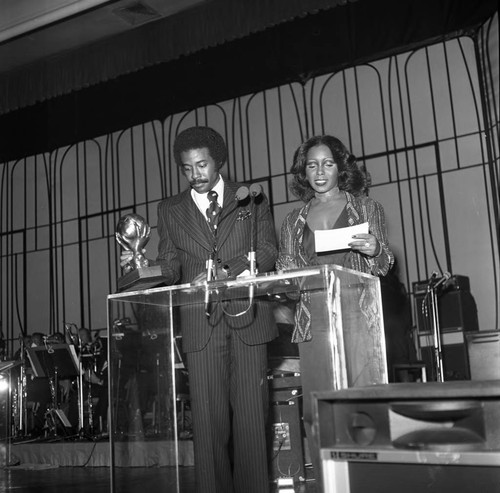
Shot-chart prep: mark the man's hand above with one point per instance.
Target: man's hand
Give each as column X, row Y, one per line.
column 202, row 276
column 129, row 261
column 126, row 257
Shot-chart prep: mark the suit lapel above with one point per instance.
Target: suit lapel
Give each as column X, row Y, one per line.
column 187, row 216
column 228, row 214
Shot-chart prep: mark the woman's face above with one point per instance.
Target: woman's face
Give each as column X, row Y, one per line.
column 321, row 170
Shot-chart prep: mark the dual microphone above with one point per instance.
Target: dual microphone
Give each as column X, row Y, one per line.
column 242, row 193
column 435, row 281
column 253, row 191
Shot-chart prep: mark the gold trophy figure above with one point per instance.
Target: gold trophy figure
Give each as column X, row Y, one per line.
column 133, row 234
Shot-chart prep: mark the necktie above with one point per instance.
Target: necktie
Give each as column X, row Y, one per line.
column 213, row 210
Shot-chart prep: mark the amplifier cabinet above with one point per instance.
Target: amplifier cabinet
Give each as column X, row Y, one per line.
column 457, row 311
column 416, row 437
column 285, row 431
column 484, row 354
column 453, row 352
column 454, row 283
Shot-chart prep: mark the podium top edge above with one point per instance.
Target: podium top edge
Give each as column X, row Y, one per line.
column 244, row 280
column 463, row 389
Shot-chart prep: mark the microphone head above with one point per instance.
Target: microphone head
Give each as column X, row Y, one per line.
column 255, row 189
column 446, row 278
column 242, row 193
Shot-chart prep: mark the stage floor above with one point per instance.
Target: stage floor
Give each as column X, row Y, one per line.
column 77, row 453
column 83, row 466
column 96, row 480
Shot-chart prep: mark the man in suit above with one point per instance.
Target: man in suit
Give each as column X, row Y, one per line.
column 226, row 344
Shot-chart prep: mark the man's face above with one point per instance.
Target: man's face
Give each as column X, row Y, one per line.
column 200, row 169
column 85, row 337
column 36, row 341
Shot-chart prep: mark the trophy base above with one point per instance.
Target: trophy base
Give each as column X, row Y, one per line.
column 142, row 278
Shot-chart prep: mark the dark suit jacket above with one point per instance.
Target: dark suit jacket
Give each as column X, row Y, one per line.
column 185, row 244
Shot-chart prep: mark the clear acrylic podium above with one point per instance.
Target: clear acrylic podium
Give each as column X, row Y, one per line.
column 146, row 372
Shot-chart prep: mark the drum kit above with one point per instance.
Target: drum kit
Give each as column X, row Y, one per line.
column 57, row 386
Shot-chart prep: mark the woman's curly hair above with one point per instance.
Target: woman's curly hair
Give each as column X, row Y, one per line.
column 198, row 138
column 350, row 177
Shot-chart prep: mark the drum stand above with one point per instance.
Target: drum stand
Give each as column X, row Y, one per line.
column 162, row 422
column 81, row 423
column 22, row 400
column 19, row 400
column 55, row 416
column 75, row 340
column 85, row 429
column 90, row 406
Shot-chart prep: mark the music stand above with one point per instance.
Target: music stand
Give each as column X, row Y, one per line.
column 54, row 361
column 8, row 365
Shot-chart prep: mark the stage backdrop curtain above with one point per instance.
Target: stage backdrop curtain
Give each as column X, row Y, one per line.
column 211, row 24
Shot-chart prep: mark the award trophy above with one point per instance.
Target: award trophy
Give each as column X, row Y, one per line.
column 133, row 233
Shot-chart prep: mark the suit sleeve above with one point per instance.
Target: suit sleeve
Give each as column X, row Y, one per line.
column 266, row 238
column 167, row 252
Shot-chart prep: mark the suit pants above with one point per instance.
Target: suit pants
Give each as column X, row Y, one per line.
column 229, row 403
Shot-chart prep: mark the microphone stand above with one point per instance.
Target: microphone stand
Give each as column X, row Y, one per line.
column 210, row 267
column 432, row 289
column 81, row 422
column 210, row 276
column 252, row 254
column 76, row 341
column 23, row 393
column 255, row 190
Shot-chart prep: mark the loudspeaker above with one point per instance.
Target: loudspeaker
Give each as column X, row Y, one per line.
column 483, row 348
column 285, row 431
column 415, row 437
column 457, row 311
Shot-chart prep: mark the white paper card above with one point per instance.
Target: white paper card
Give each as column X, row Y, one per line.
column 327, row 240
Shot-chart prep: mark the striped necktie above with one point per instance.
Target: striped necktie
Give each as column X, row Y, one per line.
column 213, row 210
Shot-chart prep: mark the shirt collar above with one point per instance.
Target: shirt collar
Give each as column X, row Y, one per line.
column 201, row 200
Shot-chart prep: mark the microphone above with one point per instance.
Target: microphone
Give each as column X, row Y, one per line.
column 242, row 193
column 431, row 280
column 442, row 280
column 255, row 190
column 71, row 336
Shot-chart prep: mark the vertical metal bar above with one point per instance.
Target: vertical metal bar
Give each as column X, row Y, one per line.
column 436, row 333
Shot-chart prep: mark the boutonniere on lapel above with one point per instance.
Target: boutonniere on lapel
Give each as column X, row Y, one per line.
column 243, row 214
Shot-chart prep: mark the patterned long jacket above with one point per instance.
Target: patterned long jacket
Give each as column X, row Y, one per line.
column 292, row 254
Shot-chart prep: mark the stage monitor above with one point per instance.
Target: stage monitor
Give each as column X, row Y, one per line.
column 412, row 437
